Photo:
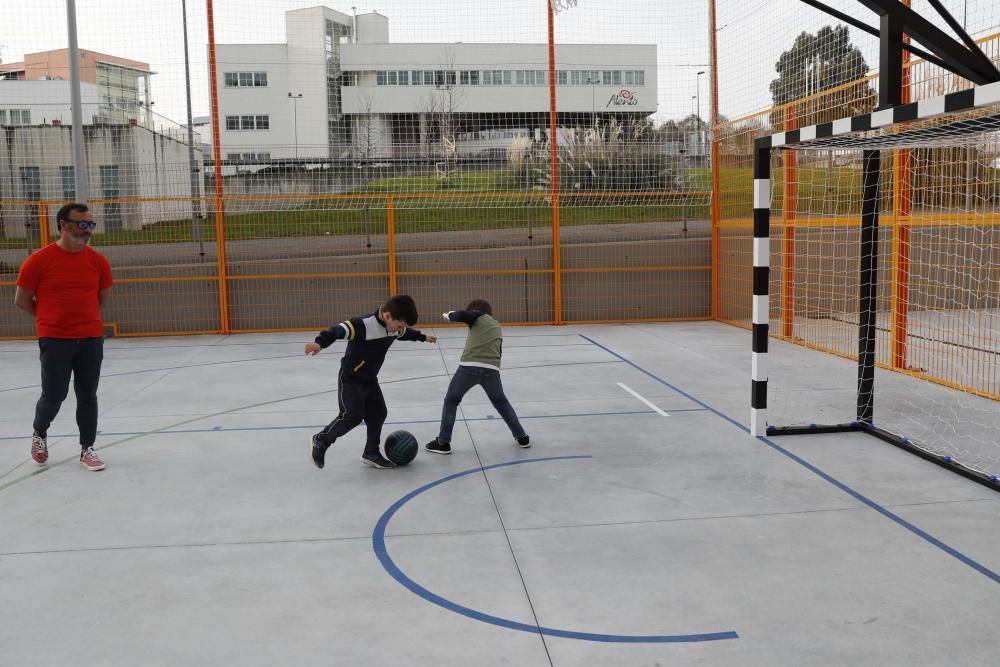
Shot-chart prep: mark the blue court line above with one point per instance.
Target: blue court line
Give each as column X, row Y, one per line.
column 378, row 543
column 922, row 534
column 219, row 429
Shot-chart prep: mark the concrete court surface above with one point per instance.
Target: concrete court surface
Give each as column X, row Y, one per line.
column 623, row 537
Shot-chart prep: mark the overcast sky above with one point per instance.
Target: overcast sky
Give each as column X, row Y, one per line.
column 751, row 35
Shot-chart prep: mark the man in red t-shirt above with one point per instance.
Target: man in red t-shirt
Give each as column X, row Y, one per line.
column 64, row 286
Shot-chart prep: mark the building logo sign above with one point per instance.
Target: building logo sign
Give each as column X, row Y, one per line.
column 623, row 98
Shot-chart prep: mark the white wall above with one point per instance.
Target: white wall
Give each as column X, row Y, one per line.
column 48, row 100
column 271, row 100
column 373, row 28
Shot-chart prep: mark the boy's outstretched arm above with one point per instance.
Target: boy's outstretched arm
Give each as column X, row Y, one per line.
column 464, row 316
column 327, row 337
column 416, row 335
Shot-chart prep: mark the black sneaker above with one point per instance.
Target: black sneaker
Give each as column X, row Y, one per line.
column 319, row 451
column 438, row 447
column 524, row 442
column 377, row 461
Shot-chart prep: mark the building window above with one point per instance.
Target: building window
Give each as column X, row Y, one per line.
column 428, row 78
column 519, row 77
column 391, row 78
column 449, row 77
column 17, row 117
column 350, row 78
column 508, row 77
column 616, row 77
column 417, row 77
column 68, row 183
column 576, row 77
column 640, row 78
column 439, row 77
column 541, row 78
column 31, row 182
column 474, row 78
column 248, row 157
column 562, row 77
column 111, row 189
column 245, row 79
column 404, row 78
column 629, row 77
column 380, row 77
column 463, row 77
column 258, row 122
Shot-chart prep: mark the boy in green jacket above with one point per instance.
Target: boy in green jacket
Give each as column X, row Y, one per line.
column 480, row 365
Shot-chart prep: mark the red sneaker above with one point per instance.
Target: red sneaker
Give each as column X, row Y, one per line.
column 90, row 460
column 39, row 449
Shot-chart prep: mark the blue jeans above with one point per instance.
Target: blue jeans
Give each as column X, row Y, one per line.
column 464, row 379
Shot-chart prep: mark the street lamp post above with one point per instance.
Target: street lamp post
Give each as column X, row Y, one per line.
column 593, row 108
column 295, row 120
column 697, row 81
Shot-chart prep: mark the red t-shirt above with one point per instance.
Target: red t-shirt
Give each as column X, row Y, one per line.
column 66, row 286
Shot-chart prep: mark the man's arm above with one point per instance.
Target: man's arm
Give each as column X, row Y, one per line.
column 102, row 296
column 25, row 300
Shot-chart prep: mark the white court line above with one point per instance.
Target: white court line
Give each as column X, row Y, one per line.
column 658, row 410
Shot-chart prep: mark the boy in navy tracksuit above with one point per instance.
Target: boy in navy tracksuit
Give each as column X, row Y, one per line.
column 368, row 340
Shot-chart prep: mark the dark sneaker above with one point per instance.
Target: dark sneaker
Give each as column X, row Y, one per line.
column 524, row 442
column 319, row 451
column 90, row 460
column 438, row 447
column 39, row 449
column 377, row 461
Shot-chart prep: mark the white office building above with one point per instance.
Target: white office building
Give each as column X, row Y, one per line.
column 339, row 89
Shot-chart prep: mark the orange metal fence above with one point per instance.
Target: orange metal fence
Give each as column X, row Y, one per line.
column 294, row 262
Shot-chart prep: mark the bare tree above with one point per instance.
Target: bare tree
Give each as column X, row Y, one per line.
column 366, row 133
column 441, row 107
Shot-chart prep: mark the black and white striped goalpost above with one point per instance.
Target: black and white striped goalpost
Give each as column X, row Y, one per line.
column 761, row 274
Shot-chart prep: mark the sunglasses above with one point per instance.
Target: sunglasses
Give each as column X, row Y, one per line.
column 83, row 224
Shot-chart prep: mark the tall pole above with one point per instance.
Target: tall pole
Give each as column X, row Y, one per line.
column 593, row 107
column 192, row 165
column 220, row 200
column 697, row 80
column 79, row 157
column 889, row 95
column 557, row 305
column 714, row 163
column 295, row 120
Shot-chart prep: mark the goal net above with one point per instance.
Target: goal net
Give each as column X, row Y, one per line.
column 882, row 302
